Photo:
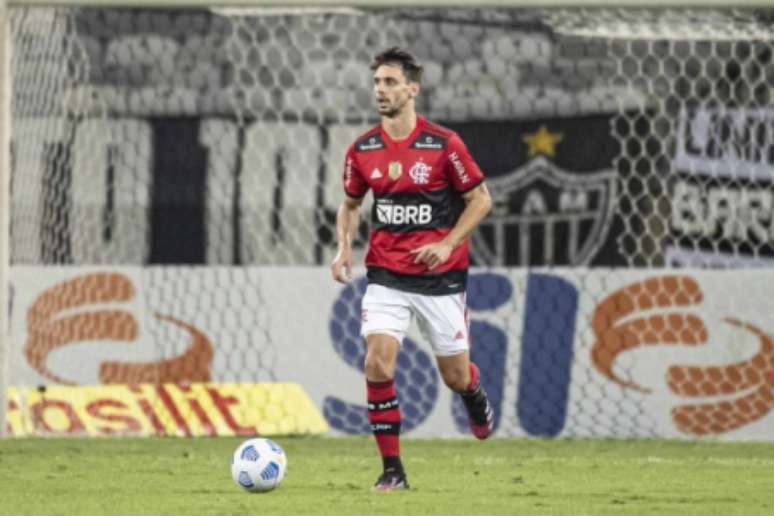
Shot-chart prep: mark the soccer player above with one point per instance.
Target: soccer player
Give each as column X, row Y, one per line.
column 429, row 196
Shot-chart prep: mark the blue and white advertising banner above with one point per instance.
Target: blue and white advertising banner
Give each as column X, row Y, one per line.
column 563, row 352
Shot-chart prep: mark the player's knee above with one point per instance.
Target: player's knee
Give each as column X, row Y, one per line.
column 377, row 368
column 456, row 380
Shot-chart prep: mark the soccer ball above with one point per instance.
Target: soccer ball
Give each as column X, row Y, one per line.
column 259, row 465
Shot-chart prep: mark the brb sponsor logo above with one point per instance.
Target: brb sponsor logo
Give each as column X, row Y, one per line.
column 390, row 213
column 720, row 398
column 88, row 308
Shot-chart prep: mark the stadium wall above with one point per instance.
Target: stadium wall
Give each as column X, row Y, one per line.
column 564, row 352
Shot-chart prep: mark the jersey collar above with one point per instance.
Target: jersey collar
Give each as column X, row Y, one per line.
column 404, row 142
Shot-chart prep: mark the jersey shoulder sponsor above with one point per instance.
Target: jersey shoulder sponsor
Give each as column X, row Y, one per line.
column 432, row 137
column 438, row 129
column 371, row 140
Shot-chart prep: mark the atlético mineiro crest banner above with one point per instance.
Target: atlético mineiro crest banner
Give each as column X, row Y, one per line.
column 554, row 189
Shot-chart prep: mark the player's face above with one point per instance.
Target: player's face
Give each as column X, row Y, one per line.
column 393, row 91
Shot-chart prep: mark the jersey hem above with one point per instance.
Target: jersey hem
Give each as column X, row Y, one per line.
column 442, row 284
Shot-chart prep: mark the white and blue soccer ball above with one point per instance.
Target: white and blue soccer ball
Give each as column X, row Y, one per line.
column 259, row 465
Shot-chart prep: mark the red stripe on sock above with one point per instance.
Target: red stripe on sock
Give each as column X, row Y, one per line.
column 380, row 391
column 474, row 377
column 386, row 416
column 389, row 445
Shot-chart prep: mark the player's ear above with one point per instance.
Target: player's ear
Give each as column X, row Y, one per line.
column 414, row 88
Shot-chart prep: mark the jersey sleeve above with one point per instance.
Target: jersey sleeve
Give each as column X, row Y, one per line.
column 463, row 172
column 354, row 184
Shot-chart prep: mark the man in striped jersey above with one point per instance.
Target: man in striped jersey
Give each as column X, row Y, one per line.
column 429, row 195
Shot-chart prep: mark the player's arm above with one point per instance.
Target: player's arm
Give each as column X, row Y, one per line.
column 478, row 204
column 347, row 221
column 348, row 217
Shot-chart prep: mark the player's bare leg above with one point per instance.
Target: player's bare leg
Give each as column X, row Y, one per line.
column 383, row 408
column 462, row 376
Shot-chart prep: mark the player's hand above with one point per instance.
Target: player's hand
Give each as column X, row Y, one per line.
column 341, row 267
column 433, row 254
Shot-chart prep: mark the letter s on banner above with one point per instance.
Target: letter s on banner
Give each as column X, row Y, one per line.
column 416, row 378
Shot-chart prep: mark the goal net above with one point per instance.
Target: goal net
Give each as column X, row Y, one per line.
column 175, row 175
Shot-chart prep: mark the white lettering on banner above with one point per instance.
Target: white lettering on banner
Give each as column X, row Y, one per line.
column 729, row 212
column 221, row 139
column 535, row 203
column 400, row 214
column 573, row 200
column 125, row 147
column 735, row 143
column 296, row 150
column 33, row 139
column 459, row 167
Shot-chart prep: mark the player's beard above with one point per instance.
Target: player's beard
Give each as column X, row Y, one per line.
column 393, row 110
column 392, row 113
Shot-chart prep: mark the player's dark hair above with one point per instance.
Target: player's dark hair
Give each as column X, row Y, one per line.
column 407, row 62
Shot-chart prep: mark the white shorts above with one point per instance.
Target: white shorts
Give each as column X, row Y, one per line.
column 443, row 320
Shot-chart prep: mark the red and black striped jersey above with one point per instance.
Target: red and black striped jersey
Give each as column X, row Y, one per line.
column 417, row 184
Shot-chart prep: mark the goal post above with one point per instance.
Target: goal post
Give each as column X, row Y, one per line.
column 5, row 186
column 171, row 170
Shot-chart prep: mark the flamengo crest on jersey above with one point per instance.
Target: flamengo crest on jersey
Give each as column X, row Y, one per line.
column 420, row 172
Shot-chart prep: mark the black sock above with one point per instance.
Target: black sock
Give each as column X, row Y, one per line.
column 475, row 401
column 392, row 464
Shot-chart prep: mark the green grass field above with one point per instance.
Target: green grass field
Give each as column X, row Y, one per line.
column 180, row 477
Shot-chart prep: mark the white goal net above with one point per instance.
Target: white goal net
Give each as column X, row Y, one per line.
column 191, row 157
